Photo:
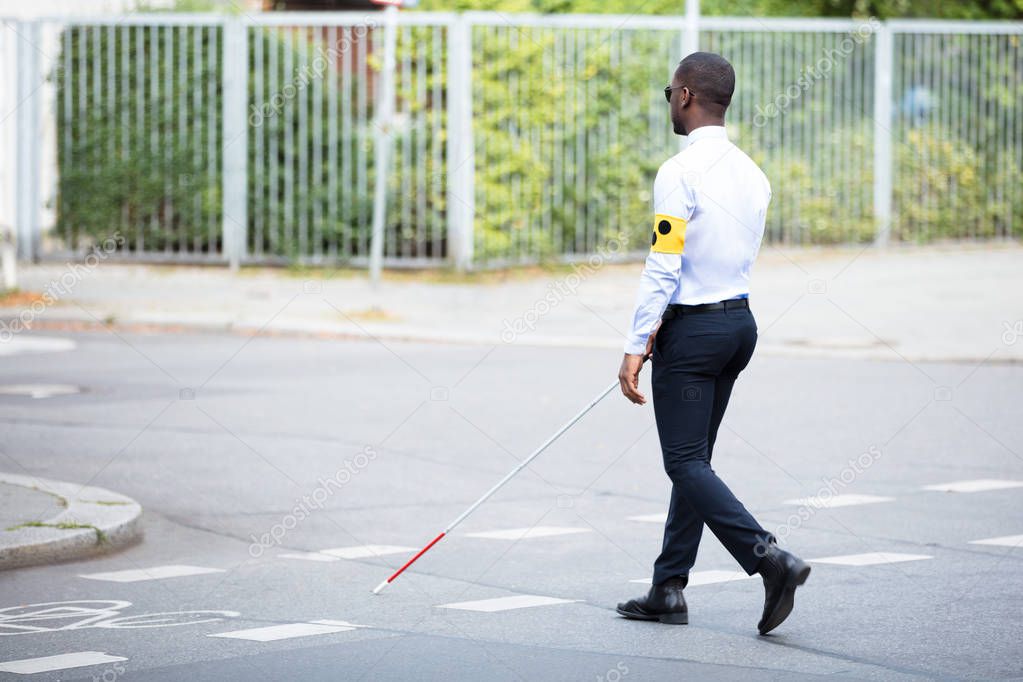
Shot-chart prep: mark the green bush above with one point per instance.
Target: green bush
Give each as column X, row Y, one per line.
column 569, row 128
column 133, row 159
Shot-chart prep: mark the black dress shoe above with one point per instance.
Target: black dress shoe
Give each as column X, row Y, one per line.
column 664, row 602
column 782, row 573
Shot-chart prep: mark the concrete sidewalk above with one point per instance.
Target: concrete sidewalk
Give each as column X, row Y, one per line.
column 45, row 521
column 949, row 302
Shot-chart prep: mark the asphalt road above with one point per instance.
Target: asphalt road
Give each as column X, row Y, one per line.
column 245, row 450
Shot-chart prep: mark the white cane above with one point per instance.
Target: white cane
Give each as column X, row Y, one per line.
column 511, row 474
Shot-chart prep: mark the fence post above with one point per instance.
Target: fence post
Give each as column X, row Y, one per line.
column 691, row 32
column 461, row 159
column 235, row 140
column 883, row 135
column 384, row 123
column 28, row 147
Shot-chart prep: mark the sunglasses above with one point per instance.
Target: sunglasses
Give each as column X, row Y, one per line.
column 668, row 89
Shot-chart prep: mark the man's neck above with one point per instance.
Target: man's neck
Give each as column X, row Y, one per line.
column 703, row 123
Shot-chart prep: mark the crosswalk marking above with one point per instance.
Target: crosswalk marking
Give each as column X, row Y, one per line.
column 77, row 659
column 272, row 633
column 833, row 501
column 526, row 533
column 869, row 559
column 974, row 486
column 365, row 551
column 520, row 601
column 1003, row 541
column 19, row 345
column 697, row 578
column 650, row 518
column 308, row 556
column 154, row 573
column 38, row 391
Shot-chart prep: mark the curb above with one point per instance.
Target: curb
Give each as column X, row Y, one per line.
column 798, row 348
column 104, row 520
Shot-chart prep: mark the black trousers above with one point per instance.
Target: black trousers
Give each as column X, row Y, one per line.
column 696, row 359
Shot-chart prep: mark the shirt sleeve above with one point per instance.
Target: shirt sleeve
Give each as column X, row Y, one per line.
column 674, row 203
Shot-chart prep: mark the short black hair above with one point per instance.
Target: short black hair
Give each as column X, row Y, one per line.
column 710, row 77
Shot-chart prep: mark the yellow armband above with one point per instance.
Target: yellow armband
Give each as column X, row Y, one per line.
column 669, row 234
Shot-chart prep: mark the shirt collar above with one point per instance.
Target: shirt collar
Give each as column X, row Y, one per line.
column 707, row 133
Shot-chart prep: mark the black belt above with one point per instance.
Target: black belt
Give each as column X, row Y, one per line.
column 679, row 309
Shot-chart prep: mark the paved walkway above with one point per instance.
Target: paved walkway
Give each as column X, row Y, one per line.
column 20, row 504
column 45, row 521
column 950, row 302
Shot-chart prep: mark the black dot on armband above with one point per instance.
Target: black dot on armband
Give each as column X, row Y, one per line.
column 664, row 227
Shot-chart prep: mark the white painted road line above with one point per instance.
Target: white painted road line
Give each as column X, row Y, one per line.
column 1004, row 541
column 365, row 551
column 974, row 486
column 869, row 559
column 20, row 345
column 154, row 573
column 521, row 601
column 78, row 659
column 837, row 501
column 309, row 556
column 343, row 623
column 273, row 633
column 527, row 533
column 38, row 391
column 650, row 518
column 705, row 578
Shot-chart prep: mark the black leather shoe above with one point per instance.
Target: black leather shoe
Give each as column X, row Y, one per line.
column 782, row 573
column 664, row 602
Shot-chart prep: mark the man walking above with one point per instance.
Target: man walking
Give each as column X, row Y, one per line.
column 693, row 319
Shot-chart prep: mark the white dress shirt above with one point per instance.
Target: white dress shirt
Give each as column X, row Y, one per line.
column 710, row 206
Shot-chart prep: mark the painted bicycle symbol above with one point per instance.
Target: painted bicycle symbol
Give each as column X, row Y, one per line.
column 55, row 616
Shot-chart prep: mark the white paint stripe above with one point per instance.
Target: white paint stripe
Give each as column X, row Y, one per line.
column 1003, row 541
column 520, row 601
column 309, row 556
column 38, row 391
column 78, row 659
column 153, row 573
column 869, row 559
column 526, row 533
column 837, row 501
column 19, row 345
column 697, row 578
column 364, row 551
column 343, row 623
column 974, row 486
column 650, row 518
column 273, row 633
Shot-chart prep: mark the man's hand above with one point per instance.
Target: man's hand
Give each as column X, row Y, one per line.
column 628, row 377
column 650, row 340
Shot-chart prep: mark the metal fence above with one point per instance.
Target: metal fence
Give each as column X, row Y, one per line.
column 482, row 139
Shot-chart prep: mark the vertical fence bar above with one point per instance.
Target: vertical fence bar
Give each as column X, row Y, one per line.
column 383, row 128
column 691, row 30
column 461, row 188
column 883, row 135
column 235, row 140
column 28, row 147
